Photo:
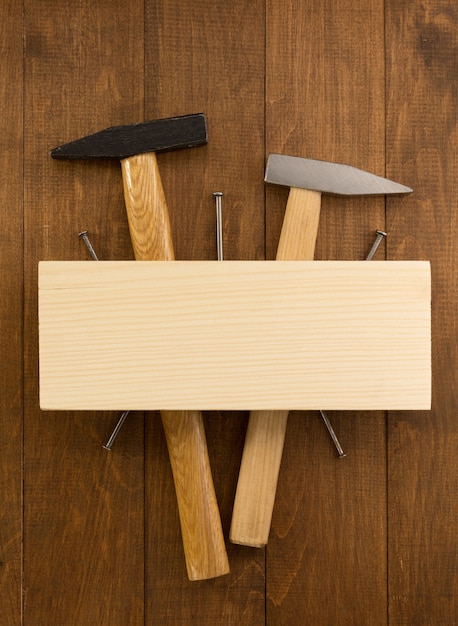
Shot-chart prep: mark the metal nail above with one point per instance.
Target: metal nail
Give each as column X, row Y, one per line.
column 85, row 238
column 219, row 224
column 340, row 452
column 381, row 234
column 114, row 434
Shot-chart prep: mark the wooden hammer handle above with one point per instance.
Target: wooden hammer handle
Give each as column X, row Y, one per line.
column 260, row 466
column 147, row 211
column 203, row 540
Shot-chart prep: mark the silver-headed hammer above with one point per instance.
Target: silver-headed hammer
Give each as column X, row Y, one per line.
column 308, row 179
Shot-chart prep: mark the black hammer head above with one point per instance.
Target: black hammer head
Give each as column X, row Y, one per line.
column 120, row 142
column 327, row 177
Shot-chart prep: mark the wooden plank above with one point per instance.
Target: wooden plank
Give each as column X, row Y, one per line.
column 207, row 57
column 422, row 472
column 149, row 335
column 83, row 507
column 325, row 98
column 11, row 336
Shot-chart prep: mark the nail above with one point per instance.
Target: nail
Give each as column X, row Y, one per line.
column 114, row 434
column 378, row 240
column 340, row 452
column 381, row 234
column 85, row 238
column 219, row 224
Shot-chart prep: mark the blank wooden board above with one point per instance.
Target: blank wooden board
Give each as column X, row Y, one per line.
column 235, row 335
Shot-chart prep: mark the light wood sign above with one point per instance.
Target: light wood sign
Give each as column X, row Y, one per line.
column 237, row 335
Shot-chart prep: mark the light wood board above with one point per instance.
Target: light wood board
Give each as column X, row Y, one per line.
column 236, row 335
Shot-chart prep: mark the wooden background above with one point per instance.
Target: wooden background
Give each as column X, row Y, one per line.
column 90, row 537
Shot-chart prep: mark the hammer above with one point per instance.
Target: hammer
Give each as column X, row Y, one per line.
column 136, row 146
column 308, row 179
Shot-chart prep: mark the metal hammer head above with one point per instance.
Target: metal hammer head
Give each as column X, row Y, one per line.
column 120, row 142
column 326, row 177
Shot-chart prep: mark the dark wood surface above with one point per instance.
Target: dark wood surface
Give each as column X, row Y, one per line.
column 422, row 143
column 91, row 537
column 11, row 302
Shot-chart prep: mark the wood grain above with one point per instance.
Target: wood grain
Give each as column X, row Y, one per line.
column 11, row 328
column 83, row 507
column 147, row 212
column 300, row 226
column 258, row 478
column 422, row 469
column 149, row 335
